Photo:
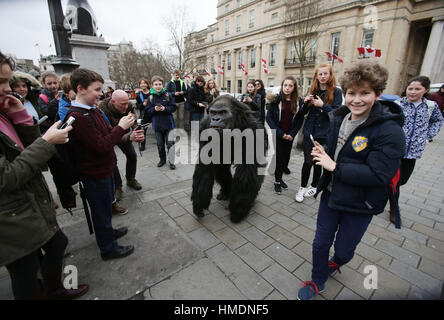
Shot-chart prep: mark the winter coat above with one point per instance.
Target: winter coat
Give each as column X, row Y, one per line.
column 114, row 116
column 171, row 89
column 64, row 104
column 438, row 97
column 317, row 120
column 263, row 94
column 274, row 116
column 196, row 95
column 162, row 120
column 27, row 217
column 255, row 105
column 420, row 124
column 47, row 109
column 367, row 162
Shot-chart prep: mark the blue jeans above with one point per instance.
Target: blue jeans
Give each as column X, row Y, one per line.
column 100, row 196
column 196, row 116
column 350, row 229
column 162, row 139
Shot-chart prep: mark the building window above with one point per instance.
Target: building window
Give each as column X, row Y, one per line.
column 292, row 52
column 253, row 58
column 334, row 47
column 274, row 16
column 229, row 61
column 272, row 55
column 212, row 38
column 227, row 27
column 298, row 80
column 239, row 3
column 271, row 82
column 227, row 8
column 251, row 24
column 309, row 80
column 239, row 60
column 239, row 86
column 367, row 38
column 238, row 23
column 228, row 85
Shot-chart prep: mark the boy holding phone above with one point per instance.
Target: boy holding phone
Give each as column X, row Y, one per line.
column 364, row 150
column 160, row 108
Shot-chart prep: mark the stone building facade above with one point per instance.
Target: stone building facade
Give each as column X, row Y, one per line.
column 409, row 34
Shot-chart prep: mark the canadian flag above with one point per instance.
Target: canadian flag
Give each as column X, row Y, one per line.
column 221, row 70
column 187, row 75
column 208, row 72
column 332, row 56
column 243, row 69
column 369, row 52
column 264, row 65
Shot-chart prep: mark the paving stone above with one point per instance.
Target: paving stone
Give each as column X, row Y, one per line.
column 416, row 277
column 374, row 255
column 423, row 206
column 439, row 226
column 257, row 237
column 231, row 238
column 432, row 215
column 436, row 244
column 332, row 287
column 355, row 262
column 260, row 222
column 179, row 195
column 187, row 223
column 218, row 210
column 389, row 284
column 386, row 235
column 398, row 252
column 243, row 225
column 424, row 251
column 433, row 233
column 381, row 222
column 275, row 295
column 286, row 198
column 263, row 210
column 212, row 223
column 409, row 234
column 369, row 239
column 419, row 294
column 204, row 238
column 165, row 201
column 415, row 217
column 432, row 268
column 266, row 199
column 305, row 209
column 174, row 210
column 244, row 278
column 354, row 281
column 284, row 237
column 254, row 257
column 304, row 233
column 282, row 280
column 185, row 201
column 304, row 250
column 282, row 209
column 283, row 221
column 305, row 220
column 284, row 256
column 347, row 294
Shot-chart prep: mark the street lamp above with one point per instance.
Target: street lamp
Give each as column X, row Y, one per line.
column 223, row 74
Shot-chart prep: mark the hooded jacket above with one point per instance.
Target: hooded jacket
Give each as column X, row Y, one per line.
column 274, row 116
column 162, row 120
column 367, row 162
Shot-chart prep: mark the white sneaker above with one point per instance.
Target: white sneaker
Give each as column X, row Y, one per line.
column 300, row 194
column 310, row 192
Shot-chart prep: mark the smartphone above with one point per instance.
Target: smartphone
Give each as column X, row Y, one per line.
column 67, row 123
column 43, row 119
column 312, row 140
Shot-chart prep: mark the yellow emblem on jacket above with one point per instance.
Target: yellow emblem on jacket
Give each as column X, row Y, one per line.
column 359, row 143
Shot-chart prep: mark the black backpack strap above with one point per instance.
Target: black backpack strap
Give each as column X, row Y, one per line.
column 85, row 207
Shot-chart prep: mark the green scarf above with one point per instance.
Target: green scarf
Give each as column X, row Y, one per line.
column 152, row 91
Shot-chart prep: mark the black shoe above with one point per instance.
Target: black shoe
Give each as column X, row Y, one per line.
column 287, row 171
column 161, row 163
column 119, row 233
column 120, row 252
column 172, row 166
column 277, row 188
column 284, row 185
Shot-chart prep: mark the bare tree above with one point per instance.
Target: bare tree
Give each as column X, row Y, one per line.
column 303, row 20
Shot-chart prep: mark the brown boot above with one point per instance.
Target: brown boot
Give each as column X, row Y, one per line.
column 134, row 184
column 119, row 210
column 118, row 193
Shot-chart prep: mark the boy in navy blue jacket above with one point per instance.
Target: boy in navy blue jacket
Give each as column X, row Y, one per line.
column 363, row 153
column 160, row 108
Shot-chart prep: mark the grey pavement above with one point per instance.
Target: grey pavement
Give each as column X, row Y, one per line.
column 267, row 256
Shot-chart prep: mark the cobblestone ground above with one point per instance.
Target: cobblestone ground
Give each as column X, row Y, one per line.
column 268, row 255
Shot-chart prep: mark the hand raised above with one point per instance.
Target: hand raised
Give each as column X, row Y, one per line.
column 9, row 103
column 127, row 121
column 56, row 136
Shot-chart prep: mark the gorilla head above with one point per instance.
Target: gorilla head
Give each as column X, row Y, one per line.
column 225, row 112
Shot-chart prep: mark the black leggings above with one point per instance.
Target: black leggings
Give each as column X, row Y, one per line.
column 283, row 152
column 308, row 163
column 23, row 271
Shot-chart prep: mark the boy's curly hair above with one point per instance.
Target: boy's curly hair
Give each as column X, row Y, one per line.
column 361, row 72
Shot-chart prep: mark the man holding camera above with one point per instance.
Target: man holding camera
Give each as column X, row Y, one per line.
column 116, row 107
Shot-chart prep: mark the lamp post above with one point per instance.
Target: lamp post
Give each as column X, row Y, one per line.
column 223, row 74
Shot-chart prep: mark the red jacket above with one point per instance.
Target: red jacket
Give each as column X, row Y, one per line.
column 94, row 140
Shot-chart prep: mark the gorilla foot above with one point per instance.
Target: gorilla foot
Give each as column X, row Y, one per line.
column 222, row 196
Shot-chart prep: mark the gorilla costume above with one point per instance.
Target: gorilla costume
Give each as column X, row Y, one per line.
column 241, row 190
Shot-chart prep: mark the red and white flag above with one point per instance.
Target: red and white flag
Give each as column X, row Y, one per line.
column 187, row 75
column 332, row 56
column 243, row 69
column 208, row 72
column 369, row 52
column 221, row 70
column 264, row 65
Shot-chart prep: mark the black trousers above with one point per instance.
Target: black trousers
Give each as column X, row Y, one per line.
column 23, row 272
column 308, row 163
column 283, row 152
column 131, row 163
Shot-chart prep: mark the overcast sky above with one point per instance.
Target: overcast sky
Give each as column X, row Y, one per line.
column 23, row 23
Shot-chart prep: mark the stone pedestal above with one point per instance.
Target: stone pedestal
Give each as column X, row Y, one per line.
column 91, row 53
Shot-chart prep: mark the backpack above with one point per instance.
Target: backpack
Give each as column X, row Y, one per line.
column 65, row 168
